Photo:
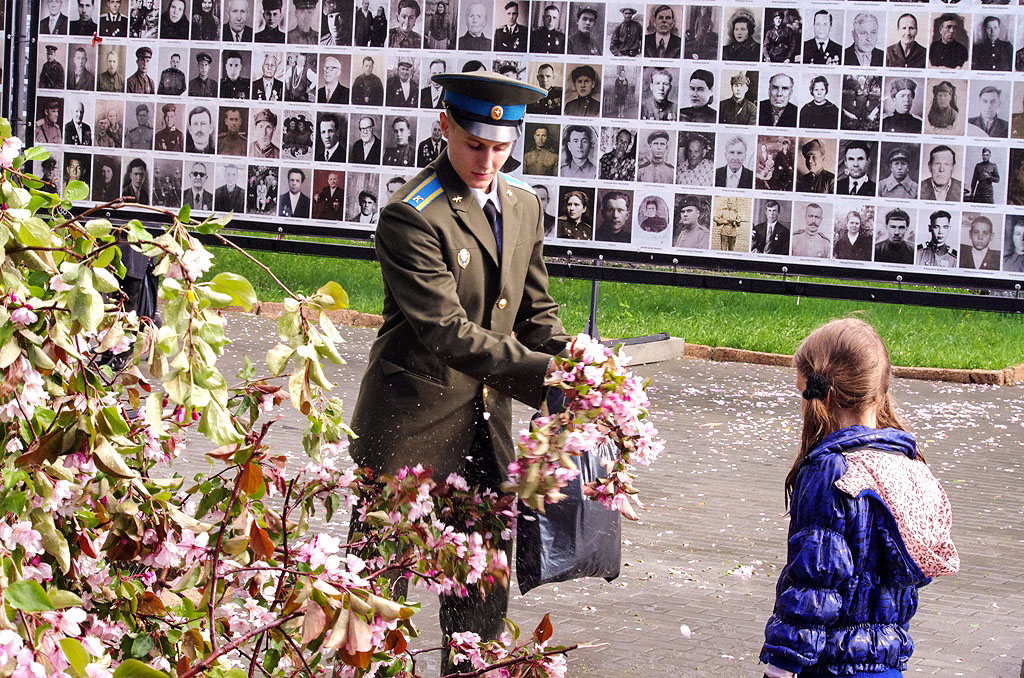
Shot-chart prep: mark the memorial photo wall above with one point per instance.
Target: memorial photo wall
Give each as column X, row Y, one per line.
column 886, row 135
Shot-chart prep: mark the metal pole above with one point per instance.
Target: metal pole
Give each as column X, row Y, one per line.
column 592, row 321
column 21, row 77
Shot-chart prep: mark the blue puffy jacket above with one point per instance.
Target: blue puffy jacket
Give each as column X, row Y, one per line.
column 849, row 588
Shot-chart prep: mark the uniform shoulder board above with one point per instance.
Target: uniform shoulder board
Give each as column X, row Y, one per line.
column 518, row 183
column 424, row 193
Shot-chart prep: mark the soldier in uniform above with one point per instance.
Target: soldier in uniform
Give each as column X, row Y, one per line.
column 272, row 17
column 141, row 136
column 512, row 36
column 548, row 39
column 895, row 249
column 80, row 77
column 655, row 167
column 51, row 75
column 541, row 159
column 551, row 104
column 203, row 85
column 170, row 138
column 403, row 36
column 111, row 79
column 402, row 154
column 449, row 359
column 233, row 85
column 84, row 25
column 113, row 24
column 936, row 252
column 305, row 14
column 817, row 179
column 627, row 36
column 172, row 80
column 898, row 184
column 401, row 90
column 692, row 233
column 232, row 139
column 140, row 82
column 230, row 197
column 367, row 89
column 809, row 241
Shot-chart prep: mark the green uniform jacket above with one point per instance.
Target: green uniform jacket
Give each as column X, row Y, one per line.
column 450, row 311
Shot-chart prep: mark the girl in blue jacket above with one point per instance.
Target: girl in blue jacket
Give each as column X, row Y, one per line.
column 869, row 523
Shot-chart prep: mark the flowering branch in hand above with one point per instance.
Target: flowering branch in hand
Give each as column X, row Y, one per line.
column 606, row 403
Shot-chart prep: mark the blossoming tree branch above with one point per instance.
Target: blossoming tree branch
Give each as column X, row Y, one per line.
column 113, row 566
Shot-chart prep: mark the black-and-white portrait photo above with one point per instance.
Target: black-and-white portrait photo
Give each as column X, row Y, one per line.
column 82, row 19
column 205, row 19
column 1015, row 184
column 894, row 236
column 1013, row 244
column 53, row 18
column 199, row 130
column 585, row 35
column 738, row 98
column 548, row 76
column 653, row 219
column 198, row 182
column 742, row 40
column 903, row 105
column 695, row 164
column 782, row 36
column 778, row 101
column 812, row 230
column 659, row 94
column 942, row 172
column 475, row 26
column 81, row 67
column 52, row 56
column 662, row 38
column 547, row 27
column 865, row 41
column 775, row 162
column 815, row 169
column 361, row 199
column 735, row 164
column 821, row 33
column 113, row 19
column 575, row 213
column 330, row 137
column 985, row 173
column 614, row 216
column 904, row 49
column 582, row 96
column 822, row 109
column 329, row 195
column 268, row 76
column 854, row 231
column 402, row 88
column 365, row 133
column 335, row 71
column 439, row 25
column 237, row 21
column 367, row 85
column 109, row 129
column 899, row 173
column 938, row 238
column 698, row 98
column 579, row 150
column 77, row 167
column 862, row 103
column 406, row 30
column 294, row 199
column 261, row 190
column 135, row 182
column 233, row 131
column 139, row 118
column 433, row 143
column 989, row 110
column 399, row 141
column 946, row 106
column 297, row 133
column 172, row 75
column 623, row 33
column 170, row 123
column 510, row 31
column 622, row 91
column 949, row 47
column 235, row 71
column 144, row 20
column 111, row 77
column 692, row 226
column 204, row 80
column 992, row 49
column 730, row 224
column 701, row 35
column 618, row 154
column 50, row 122
column 229, row 196
column 857, row 167
column 303, row 22
column 269, row 22
column 167, row 182
column 980, row 241
column 264, row 134
column 656, row 156
column 431, row 93
column 771, row 226
column 106, row 182
column 544, row 193
column 1017, row 108
column 174, row 25
column 541, row 155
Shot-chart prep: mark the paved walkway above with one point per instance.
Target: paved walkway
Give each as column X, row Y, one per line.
column 715, row 503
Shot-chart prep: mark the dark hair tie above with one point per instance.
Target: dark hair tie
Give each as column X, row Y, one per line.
column 818, row 386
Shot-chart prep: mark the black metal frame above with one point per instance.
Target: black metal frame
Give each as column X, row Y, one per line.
column 19, row 82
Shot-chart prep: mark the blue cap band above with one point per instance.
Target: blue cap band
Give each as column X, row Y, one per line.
column 479, row 107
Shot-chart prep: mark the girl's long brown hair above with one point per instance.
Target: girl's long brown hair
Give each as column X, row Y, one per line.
column 851, row 356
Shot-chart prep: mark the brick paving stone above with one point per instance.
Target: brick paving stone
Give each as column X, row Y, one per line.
column 714, row 502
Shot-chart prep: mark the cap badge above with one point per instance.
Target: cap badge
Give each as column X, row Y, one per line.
column 508, row 192
column 497, row 112
column 456, row 199
column 463, row 258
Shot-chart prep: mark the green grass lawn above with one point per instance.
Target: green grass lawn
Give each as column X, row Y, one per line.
column 916, row 336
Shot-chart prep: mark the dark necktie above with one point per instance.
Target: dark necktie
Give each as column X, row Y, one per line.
column 494, row 219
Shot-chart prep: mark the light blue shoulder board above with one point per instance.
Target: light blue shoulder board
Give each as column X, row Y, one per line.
column 424, row 194
column 518, row 183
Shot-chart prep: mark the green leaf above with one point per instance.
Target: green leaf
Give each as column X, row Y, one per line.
column 54, row 542
column 62, row 599
column 116, row 425
column 133, row 668
column 104, row 280
column 76, row 190
column 76, row 654
column 185, row 213
column 336, row 293
column 5, row 129
column 216, row 424
column 86, row 306
column 277, row 358
column 36, row 152
column 98, row 228
column 142, row 645
column 237, row 287
column 28, row 596
column 110, row 461
column 34, row 232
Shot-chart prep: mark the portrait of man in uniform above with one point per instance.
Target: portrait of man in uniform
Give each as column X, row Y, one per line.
column 400, row 143
column 982, row 186
column 237, row 21
column 302, row 22
column 618, row 163
column 230, row 196
column 80, row 76
column 169, row 136
column 546, row 77
column 812, row 232
column 235, row 81
column 625, row 37
column 548, row 35
column 692, row 225
column 270, row 28
column 366, row 149
column 813, row 172
column 895, row 244
column 942, row 184
column 820, row 48
column 583, row 92
column 510, row 36
column 906, row 52
column 172, row 78
column 197, row 196
column 654, row 157
column 204, row 81
column 734, row 160
column 944, row 107
column 113, row 21
column 106, row 172
column 900, row 171
column 585, row 29
column 367, row 88
column 1013, row 259
column 949, row 42
column 658, row 101
column 232, row 132
column 615, row 222
column 265, row 135
column 992, row 51
column 51, row 73
column 401, row 90
column 405, row 19
column 294, row 201
column 140, row 82
column 988, row 106
column 738, row 98
column 199, row 135
column 903, row 105
column 140, row 131
column 541, row 155
column 857, row 167
column 662, row 39
column 83, row 22
column 112, row 61
column 328, row 201
column 330, row 139
column 940, row 248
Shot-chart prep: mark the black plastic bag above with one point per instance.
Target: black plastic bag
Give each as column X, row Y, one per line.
column 576, row 537
column 146, row 304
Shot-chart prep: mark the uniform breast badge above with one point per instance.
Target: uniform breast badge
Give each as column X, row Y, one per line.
column 463, row 257
column 456, row 199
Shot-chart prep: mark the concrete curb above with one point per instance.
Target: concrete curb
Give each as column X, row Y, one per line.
column 1009, row 376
